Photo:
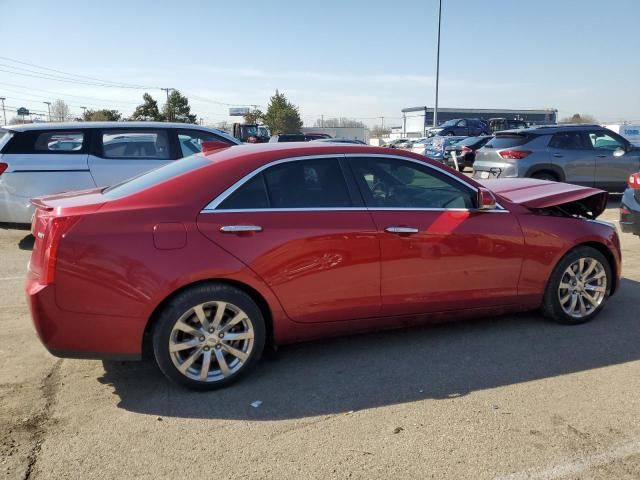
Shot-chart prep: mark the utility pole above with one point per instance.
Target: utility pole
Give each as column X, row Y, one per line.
column 48, row 109
column 322, row 121
column 382, row 118
column 435, row 110
column 201, row 120
column 169, row 112
column 4, row 113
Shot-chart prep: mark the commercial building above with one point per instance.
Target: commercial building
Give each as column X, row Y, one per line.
column 416, row 120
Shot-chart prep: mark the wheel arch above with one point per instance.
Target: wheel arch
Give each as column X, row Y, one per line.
column 256, row 296
column 547, row 168
column 604, row 250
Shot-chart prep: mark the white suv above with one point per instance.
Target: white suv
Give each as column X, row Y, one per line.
column 44, row 158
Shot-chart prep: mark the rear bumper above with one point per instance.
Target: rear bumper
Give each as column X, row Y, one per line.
column 630, row 222
column 75, row 335
column 485, row 170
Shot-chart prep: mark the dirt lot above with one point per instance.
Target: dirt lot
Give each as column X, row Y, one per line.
column 513, row 397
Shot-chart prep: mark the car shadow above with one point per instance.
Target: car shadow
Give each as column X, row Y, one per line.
column 374, row 370
column 26, row 243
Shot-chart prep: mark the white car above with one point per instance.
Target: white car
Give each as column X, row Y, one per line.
column 40, row 159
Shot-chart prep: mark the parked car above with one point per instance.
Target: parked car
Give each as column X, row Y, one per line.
column 297, row 137
column 630, row 206
column 397, row 143
column 437, row 148
column 463, row 153
column 581, row 154
column 274, row 245
column 340, row 140
column 466, row 127
column 498, row 124
column 39, row 159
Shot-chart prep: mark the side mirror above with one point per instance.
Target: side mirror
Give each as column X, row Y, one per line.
column 618, row 152
column 486, row 199
column 209, row 146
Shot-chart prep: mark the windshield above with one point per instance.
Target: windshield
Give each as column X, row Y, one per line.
column 154, row 177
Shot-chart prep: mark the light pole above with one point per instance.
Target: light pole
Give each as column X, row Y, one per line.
column 435, row 110
column 48, row 109
column 4, row 113
column 169, row 112
column 84, row 112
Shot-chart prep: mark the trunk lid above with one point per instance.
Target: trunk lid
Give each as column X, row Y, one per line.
column 541, row 194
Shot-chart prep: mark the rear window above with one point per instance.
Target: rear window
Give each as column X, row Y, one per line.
column 154, row 177
column 59, row 142
column 507, row 141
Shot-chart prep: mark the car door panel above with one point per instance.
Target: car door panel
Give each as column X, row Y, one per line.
column 120, row 155
column 456, row 260
column 323, row 266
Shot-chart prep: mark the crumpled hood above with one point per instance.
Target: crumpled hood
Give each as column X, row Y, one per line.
column 533, row 193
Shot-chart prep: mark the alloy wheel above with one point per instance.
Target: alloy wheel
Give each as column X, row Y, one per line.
column 583, row 287
column 211, row 341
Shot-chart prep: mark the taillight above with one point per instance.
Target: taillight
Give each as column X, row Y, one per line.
column 55, row 233
column 514, row 154
column 466, row 149
column 3, row 167
column 634, row 181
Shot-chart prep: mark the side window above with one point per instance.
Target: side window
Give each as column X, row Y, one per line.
column 252, row 195
column 602, row 141
column 394, row 183
column 130, row 143
column 307, row 184
column 462, row 123
column 568, row 141
column 59, row 142
column 191, row 141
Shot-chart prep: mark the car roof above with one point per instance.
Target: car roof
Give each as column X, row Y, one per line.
column 547, row 129
column 120, row 125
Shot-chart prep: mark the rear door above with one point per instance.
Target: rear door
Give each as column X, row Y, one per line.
column 307, row 235
column 572, row 153
column 42, row 162
column 121, row 153
column 612, row 169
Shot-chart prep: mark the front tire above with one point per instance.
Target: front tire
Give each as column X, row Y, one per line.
column 579, row 287
column 209, row 336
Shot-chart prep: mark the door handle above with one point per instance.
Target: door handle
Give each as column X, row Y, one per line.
column 401, row 230
column 240, row 228
column 557, row 155
column 602, row 156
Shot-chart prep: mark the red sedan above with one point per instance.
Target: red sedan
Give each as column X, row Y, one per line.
column 211, row 258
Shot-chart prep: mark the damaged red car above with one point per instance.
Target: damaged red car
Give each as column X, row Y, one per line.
column 208, row 260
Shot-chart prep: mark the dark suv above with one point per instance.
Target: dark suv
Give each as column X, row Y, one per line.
column 588, row 155
column 464, row 127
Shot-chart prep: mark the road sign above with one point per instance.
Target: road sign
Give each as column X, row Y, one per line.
column 22, row 111
column 238, row 111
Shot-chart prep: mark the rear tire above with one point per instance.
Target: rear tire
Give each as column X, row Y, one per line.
column 551, row 177
column 578, row 288
column 209, row 336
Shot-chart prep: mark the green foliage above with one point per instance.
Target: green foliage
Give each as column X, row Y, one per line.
column 103, row 115
column 148, row 110
column 282, row 116
column 255, row 116
column 177, row 109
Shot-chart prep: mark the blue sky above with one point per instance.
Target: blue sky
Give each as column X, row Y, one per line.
column 359, row 59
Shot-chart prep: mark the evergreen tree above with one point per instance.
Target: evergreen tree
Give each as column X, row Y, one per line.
column 148, row 110
column 103, row 115
column 177, row 109
column 282, row 116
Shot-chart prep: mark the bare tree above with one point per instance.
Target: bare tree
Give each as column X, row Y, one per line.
column 579, row 118
column 378, row 131
column 59, row 111
column 338, row 122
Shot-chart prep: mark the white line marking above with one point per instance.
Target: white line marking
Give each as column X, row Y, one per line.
column 21, row 277
column 576, row 467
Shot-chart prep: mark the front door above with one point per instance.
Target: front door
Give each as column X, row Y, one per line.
column 123, row 153
column 613, row 162
column 299, row 227
column 437, row 252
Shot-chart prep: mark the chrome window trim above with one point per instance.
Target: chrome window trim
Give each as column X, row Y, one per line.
column 211, row 207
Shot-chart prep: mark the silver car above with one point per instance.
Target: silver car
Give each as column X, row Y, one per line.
column 588, row 155
column 44, row 158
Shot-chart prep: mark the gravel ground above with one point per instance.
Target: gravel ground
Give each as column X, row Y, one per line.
column 512, row 398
